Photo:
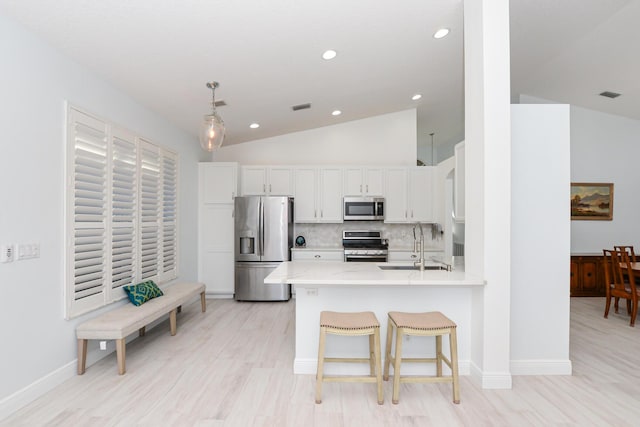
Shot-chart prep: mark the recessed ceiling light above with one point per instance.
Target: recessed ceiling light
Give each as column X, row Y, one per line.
column 336, row 112
column 329, row 54
column 442, row 32
column 254, row 125
column 416, row 97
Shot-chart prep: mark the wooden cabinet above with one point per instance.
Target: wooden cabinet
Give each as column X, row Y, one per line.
column 587, row 276
column 318, row 194
column 266, row 181
column 359, row 181
column 409, row 194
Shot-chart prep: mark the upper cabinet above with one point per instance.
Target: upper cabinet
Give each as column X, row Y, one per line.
column 218, row 182
column 363, row 181
column 409, row 194
column 318, row 194
column 458, row 201
column 266, row 180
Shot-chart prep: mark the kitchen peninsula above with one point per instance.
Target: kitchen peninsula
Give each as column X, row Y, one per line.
column 355, row 286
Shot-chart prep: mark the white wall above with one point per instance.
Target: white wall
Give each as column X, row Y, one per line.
column 540, row 240
column 37, row 343
column 389, row 139
column 604, row 148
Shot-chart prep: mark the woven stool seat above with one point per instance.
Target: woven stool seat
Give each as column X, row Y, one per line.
column 423, row 321
column 350, row 324
column 421, row 324
column 349, row 321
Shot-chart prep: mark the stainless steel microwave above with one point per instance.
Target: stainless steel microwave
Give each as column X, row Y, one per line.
column 363, row 209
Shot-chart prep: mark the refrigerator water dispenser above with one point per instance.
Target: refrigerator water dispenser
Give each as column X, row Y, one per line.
column 247, row 245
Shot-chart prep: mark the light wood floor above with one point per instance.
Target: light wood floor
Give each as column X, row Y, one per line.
column 232, row 366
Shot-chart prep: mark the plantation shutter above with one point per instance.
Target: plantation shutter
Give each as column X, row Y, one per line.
column 124, row 207
column 169, row 215
column 150, row 204
column 121, row 212
column 87, row 180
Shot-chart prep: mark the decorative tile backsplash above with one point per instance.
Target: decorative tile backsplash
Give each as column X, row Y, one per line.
column 400, row 235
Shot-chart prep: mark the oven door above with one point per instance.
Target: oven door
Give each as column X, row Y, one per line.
column 365, row 258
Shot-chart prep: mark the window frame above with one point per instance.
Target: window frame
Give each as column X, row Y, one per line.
column 104, row 218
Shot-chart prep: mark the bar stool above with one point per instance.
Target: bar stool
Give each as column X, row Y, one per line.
column 422, row 324
column 350, row 324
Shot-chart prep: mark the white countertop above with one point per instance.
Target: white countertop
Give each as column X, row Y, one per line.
column 337, row 273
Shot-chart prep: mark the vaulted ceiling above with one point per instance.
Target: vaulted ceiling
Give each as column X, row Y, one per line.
column 267, row 57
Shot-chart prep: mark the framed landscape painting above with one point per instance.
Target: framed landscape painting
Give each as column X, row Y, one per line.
column 591, row 201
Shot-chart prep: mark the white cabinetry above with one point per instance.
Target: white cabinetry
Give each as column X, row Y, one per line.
column 222, row 178
column 217, row 185
column 317, row 255
column 458, row 201
column 362, row 181
column 318, row 194
column 408, row 255
column 409, row 194
column 266, row 180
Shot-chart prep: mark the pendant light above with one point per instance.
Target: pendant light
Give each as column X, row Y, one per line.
column 212, row 129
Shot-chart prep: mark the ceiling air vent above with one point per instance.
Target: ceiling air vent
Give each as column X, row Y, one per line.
column 220, row 103
column 301, row 107
column 610, row 94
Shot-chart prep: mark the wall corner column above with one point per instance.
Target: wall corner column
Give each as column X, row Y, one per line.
column 488, row 184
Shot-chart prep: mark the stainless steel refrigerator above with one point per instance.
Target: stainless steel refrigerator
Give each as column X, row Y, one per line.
column 263, row 239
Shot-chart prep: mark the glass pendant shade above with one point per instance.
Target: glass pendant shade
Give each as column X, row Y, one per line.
column 212, row 129
column 212, row 132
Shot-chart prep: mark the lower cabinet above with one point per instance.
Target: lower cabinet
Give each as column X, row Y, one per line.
column 587, row 276
column 317, row 255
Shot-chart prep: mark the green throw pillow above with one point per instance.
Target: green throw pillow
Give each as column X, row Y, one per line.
column 142, row 292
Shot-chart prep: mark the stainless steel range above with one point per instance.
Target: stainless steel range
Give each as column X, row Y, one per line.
column 364, row 246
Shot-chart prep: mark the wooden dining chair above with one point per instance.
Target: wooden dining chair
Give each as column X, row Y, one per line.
column 628, row 250
column 616, row 265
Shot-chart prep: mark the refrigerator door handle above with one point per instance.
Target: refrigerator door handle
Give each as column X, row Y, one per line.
column 261, row 229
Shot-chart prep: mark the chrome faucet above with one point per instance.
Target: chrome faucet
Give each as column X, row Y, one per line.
column 416, row 243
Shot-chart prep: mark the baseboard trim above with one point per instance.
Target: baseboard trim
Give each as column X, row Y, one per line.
column 218, row 295
column 43, row 385
column 541, row 367
column 28, row 394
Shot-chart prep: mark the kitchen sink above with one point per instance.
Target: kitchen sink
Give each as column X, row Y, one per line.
column 411, row 267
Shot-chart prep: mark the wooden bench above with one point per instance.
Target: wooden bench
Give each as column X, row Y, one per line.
column 119, row 323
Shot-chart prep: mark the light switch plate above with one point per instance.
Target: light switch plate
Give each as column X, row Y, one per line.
column 7, row 253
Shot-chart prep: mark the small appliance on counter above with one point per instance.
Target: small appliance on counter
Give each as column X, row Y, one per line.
column 300, row 242
column 263, row 240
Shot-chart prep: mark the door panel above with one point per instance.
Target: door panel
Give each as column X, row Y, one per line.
column 247, row 229
column 275, row 229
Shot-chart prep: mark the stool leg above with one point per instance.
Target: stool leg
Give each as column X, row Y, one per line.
column 378, row 365
column 396, row 366
column 453, row 342
column 372, row 357
column 387, row 352
column 439, row 355
column 319, row 374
